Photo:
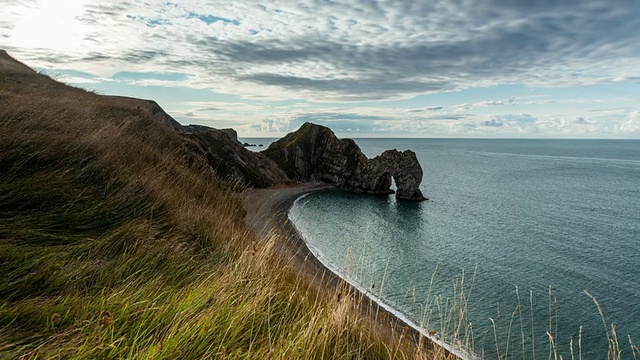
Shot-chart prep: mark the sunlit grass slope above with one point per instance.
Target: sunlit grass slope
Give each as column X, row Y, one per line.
column 117, row 240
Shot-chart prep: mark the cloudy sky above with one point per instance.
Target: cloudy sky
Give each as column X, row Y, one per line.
column 366, row 68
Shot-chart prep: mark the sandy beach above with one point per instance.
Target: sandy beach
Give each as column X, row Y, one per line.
column 267, row 214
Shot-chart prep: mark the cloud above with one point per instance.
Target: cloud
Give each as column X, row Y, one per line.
column 211, row 19
column 492, row 103
column 338, row 122
column 327, row 51
column 631, row 125
column 615, row 110
column 517, row 118
column 486, row 103
column 361, row 121
column 509, row 101
column 430, row 108
column 582, row 121
column 444, row 117
column 512, row 122
column 462, row 107
column 492, row 123
column 513, row 68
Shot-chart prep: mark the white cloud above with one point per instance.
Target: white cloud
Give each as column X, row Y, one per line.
column 316, row 55
column 493, row 122
column 632, row 124
column 582, row 121
column 333, row 51
column 511, row 101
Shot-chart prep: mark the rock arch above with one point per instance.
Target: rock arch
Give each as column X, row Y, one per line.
column 402, row 166
column 314, row 153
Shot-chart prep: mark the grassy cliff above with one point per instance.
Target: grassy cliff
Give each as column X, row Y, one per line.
column 117, row 241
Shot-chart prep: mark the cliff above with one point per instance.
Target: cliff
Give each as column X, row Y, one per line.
column 311, row 154
column 314, row 153
column 229, row 158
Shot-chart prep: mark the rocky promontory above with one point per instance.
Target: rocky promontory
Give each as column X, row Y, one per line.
column 314, row 153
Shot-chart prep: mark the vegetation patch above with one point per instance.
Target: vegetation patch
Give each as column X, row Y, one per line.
column 118, row 241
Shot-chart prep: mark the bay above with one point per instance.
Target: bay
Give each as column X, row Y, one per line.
column 531, row 215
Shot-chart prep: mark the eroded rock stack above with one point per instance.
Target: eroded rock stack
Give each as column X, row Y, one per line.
column 374, row 175
column 314, row 153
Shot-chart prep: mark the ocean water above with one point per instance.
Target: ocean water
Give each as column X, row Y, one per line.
column 550, row 218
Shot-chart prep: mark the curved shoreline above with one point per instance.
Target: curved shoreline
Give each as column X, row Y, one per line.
column 267, row 213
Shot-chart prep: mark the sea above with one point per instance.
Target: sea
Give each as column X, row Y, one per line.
column 525, row 248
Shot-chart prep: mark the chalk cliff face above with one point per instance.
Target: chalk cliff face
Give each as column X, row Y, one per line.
column 314, row 153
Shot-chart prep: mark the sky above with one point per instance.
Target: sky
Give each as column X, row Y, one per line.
column 365, row 68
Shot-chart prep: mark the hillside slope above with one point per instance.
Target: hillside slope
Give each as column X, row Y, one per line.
column 122, row 236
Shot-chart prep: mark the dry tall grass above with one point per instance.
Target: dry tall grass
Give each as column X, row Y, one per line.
column 117, row 241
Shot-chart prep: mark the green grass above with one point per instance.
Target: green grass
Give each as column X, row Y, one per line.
column 117, row 241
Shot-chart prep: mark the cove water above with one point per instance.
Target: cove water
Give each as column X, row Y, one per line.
column 531, row 215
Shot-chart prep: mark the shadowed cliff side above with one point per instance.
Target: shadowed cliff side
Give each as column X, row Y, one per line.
column 314, row 153
column 232, row 160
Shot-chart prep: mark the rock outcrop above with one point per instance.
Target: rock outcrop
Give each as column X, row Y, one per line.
column 229, row 158
column 314, row 153
column 374, row 175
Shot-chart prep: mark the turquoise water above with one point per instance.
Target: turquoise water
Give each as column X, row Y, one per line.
column 527, row 214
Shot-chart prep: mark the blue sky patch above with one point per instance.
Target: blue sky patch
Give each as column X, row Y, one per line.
column 166, row 76
column 150, row 22
column 211, row 19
